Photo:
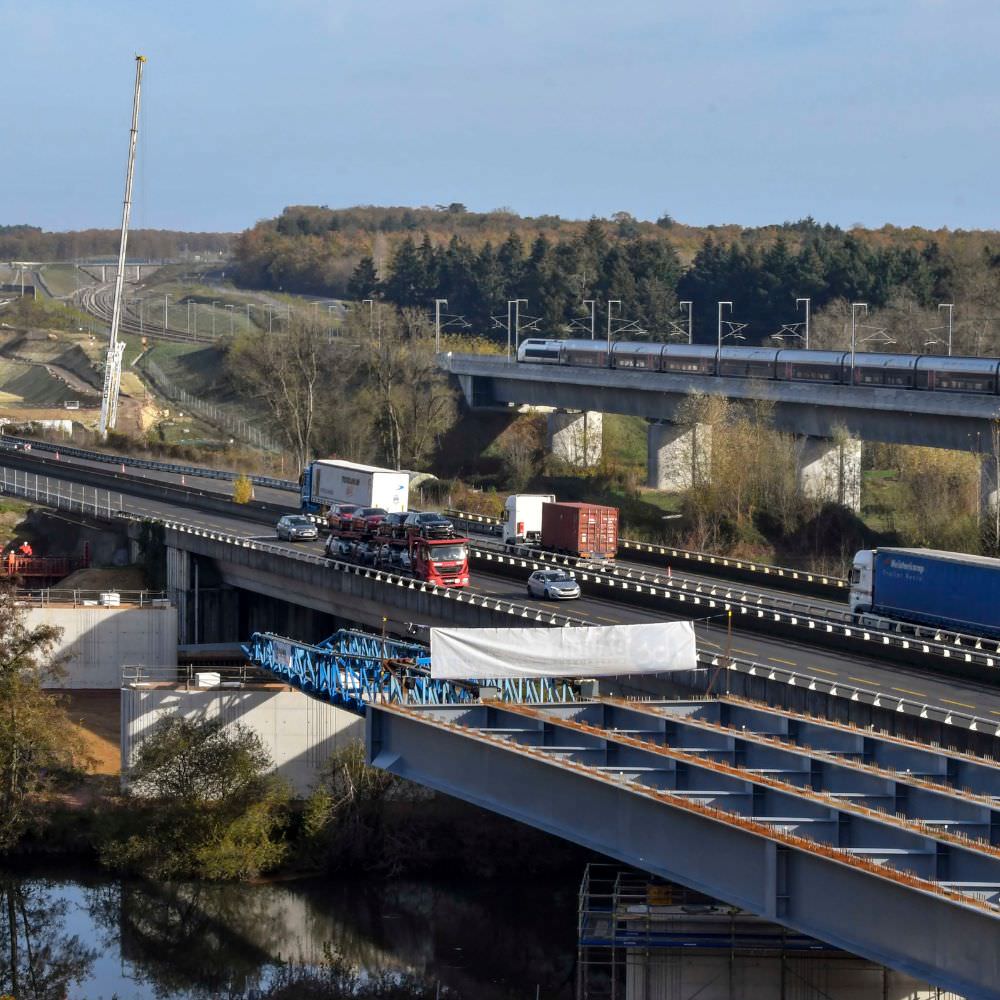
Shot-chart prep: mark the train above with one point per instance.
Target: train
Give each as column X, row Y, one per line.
column 898, row 371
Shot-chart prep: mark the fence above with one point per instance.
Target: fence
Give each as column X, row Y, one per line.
column 61, row 495
column 210, row 411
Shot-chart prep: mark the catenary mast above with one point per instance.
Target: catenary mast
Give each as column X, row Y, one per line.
column 113, row 364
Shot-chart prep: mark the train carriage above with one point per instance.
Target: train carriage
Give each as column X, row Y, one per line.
column 693, row 359
column 894, row 370
column 642, row 356
column 979, row 375
column 747, row 362
column 797, row 365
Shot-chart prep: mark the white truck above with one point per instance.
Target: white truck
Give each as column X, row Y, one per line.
column 522, row 517
column 329, row 481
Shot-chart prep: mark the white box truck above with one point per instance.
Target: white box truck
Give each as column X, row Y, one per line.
column 328, row 481
column 522, row 517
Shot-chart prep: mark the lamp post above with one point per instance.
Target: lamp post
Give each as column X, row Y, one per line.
column 249, row 323
column 807, row 302
column 230, row 307
column 166, row 299
column 215, row 302
column 690, row 306
column 371, row 314
column 593, row 317
column 612, row 302
column 950, row 306
column 718, row 353
column 855, row 306
column 189, row 317
column 437, row 323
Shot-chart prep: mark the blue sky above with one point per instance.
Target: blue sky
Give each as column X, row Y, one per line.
column 716, row 111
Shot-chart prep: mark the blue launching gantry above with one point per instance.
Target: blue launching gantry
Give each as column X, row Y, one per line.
column 354, row 669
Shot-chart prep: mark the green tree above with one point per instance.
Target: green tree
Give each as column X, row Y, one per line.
column 38, row 744
column 203, row 805
column 364, row 280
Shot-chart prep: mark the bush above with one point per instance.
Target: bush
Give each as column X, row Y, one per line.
column 242, row 490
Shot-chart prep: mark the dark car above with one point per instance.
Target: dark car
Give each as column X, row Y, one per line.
column 392, row 524
column 338, row 518
column 429, row 524
column 367, row 519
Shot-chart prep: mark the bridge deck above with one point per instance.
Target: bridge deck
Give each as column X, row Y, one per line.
column 882, row 847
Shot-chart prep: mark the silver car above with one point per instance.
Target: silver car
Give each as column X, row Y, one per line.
column 296, row 528
column 553, row 584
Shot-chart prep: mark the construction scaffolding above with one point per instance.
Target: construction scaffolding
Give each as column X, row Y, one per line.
column 641, row 938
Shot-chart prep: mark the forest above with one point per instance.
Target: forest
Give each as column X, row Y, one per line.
column 478, row 261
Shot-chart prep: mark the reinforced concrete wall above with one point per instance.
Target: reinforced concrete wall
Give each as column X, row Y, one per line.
column 679, row 455
column 829, row 470
column 661, row 975
column 300, row 733
column 97, row 642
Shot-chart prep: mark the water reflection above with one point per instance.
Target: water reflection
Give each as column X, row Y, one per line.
column 489, row 941
column 39, row 959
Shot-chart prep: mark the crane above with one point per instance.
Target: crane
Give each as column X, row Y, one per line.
column 116, row 348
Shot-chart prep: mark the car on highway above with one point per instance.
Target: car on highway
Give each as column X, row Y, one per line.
column 553, row 585
column 392, row 524
column 296, row 528
column 367, row 519
column 428, row 524
column 338, row 517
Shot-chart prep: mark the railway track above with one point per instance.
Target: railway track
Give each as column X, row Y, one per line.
column 99, row 301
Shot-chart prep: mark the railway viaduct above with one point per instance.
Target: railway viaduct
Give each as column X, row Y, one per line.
column 830, row 421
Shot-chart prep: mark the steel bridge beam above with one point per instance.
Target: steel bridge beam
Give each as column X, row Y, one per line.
column 715, row 832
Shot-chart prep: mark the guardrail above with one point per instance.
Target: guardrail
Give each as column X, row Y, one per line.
column 63, row 496
column 705, row 561
column 698, row 603
column 713, row 662
column 47, row 596
column 9, row 441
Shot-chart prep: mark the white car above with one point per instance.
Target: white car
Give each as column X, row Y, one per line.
column 553, row 584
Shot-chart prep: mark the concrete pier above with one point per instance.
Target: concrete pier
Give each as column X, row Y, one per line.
column 679, row 456
column 989, row 496
column 831, row 471
column 575, row 436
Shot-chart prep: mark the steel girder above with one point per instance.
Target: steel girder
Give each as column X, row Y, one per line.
column 904, row 891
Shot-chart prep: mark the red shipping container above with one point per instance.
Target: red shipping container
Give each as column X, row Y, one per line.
column 587, row 530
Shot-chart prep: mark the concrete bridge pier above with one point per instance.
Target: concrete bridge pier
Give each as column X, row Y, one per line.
column 989, row 495
column 575, row 436
column 179, row 583
column 831, row 470
column 679, row 456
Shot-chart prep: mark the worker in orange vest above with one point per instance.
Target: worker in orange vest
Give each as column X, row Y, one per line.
column 11, row 562
column 25, row 549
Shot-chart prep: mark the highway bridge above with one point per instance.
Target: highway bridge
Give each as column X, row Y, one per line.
column 677, row 456
column 866, row 839
column 230, row 577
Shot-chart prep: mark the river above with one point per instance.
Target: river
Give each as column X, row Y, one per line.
column 89, row 937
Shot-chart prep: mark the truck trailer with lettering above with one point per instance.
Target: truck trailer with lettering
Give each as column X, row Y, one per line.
column 325, row 482
column 912, row 588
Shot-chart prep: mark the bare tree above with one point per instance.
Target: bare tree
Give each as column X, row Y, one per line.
column 288, row 372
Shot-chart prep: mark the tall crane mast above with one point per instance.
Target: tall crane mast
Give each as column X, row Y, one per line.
column 116, row 348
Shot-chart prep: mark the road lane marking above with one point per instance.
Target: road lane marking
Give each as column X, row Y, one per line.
column 745, row 652
column 777, row 659
column 961, row 704
column 820, row 670
column 863, row 680
column 919, row 694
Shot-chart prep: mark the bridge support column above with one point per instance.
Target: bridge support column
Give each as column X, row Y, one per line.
column 831, row 470
column 679, row 456
column 989, row 498
column 178, row 587
column 575, row 436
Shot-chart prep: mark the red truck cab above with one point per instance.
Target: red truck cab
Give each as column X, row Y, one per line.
column 441, row 561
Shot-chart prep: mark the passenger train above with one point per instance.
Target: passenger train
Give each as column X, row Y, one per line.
column 901, row 371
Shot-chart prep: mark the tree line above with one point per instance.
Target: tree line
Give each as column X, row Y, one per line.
column 902, row 275
column 36, row 244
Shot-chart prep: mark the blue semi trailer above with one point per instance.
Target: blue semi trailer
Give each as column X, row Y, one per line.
column 925, row 587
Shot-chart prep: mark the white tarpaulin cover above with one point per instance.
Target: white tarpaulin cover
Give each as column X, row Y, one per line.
column 591, row 651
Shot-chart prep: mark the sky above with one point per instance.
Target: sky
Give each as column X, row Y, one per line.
column 714, row 111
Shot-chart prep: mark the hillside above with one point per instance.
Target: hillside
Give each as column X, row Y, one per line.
column 477, row 261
